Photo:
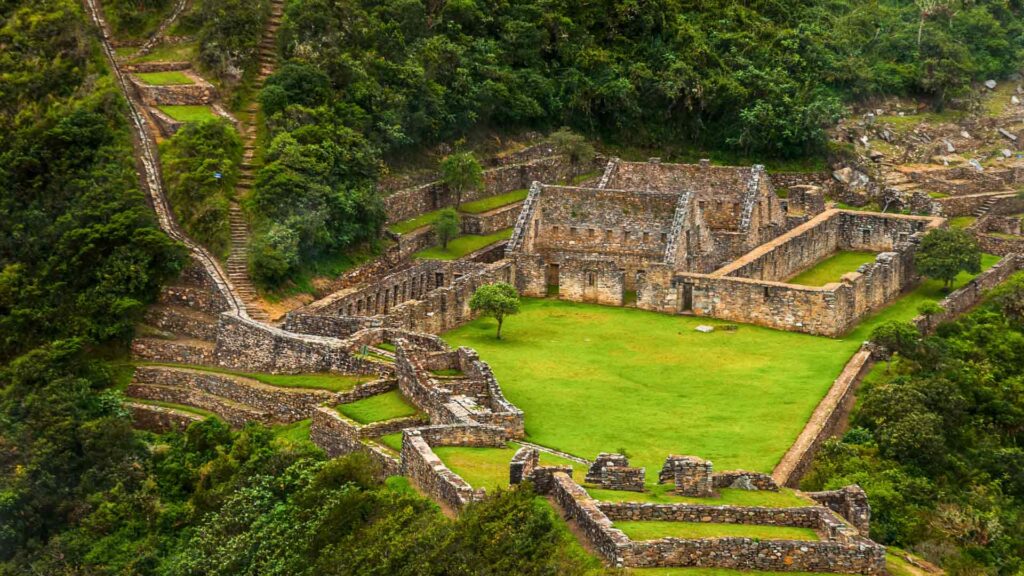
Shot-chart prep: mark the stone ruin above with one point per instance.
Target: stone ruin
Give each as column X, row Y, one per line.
column 613, row 472
column 693, row 476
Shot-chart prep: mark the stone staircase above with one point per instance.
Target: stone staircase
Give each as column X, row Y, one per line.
column 985, row 207
column 238, row 261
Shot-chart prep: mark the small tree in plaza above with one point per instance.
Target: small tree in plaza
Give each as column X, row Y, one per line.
column 945, row 252
column 495, row 300
column 574, row 148
column 447, row 226
column 461, row 172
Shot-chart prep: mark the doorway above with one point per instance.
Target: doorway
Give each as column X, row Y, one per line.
column 552, row 280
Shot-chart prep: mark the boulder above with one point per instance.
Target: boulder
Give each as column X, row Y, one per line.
column 990, row 84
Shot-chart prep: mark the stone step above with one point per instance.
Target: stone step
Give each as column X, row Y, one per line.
column 179, row 351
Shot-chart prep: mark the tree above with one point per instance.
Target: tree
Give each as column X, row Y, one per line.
column 447, row 226
column 929, row 310
column 945, row 252
column 1009, row 298
column 495, row 300
column 573, row 147
column 898, row 337
column 461, row 172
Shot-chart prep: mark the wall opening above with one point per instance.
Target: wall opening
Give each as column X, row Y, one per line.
column 552, row 280
column 686, row 298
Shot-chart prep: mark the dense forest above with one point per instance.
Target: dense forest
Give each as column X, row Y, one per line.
column 80, row 491
column 936, row 441
column 378, row 79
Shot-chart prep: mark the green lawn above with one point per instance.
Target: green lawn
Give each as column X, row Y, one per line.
column 189, row 113
column 832, row 268
column 652, row 530
column 463, row 245
column 660, row 494
column 488, row 204
column 961, row 222
column 295, row 434
column 393, row 441
column 323, row 381
column 173, row 78
column 406, row 226
column 739, row 398
column 386, row 406
column 488, row 467
column 168, row 53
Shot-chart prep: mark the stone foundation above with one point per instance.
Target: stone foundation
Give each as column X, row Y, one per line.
column 691, row 475
column 850, row 502
column 612, row 472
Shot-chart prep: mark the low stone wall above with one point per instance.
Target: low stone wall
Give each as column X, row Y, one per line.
column 286, row 404
column 338, row 436
column 411, row 202
column 430, row 475
column 850, row 502
column 327, row 325
column 953, row 206
column 826, row 420
column 969, row 295
column 157, row 67
column 159, row 419
column 247, row 345
column 193, row 352
column 752, row 554
column 613, row 472
column 194, row 297
column 237, row 415
column 463, row 435
column 801, row 517
column 524, row 462
column 1000, row 246
column 744, row 480
column 493, row 221
column 183, row 321
column 366, row 390
column 165, row 124
column 576, row 505
column 200, row 92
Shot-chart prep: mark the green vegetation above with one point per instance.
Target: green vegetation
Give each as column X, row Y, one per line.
column 461, row 172
column 135, row 18
column 447, row 372
column 295, row 435
column 832, row 268
column 164, row 78
column 387, row 346
column 745, row 394
column 393, row 441
column 464, row 245
column 661, row 494
column 228, row 33
column 961, row 222
column 936, row 437
column 332, row 382
column 712, row 572
column 488, row 204
column 446, row 226
column 495, row 301
column 386, row 406
column 488, row 467
column 653, row 530
column 406, row 226
column 201, row 166
column 178, row 52
column 186, row 113
column 946, row 252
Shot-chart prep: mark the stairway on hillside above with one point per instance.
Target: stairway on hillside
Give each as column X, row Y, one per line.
column 985, row 207
column 238, row 261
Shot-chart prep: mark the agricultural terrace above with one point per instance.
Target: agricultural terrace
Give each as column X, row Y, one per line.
column 596, row 379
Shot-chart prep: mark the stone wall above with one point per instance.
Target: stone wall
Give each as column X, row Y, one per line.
column 338, row 436
column 237, row 415
column 524, row 462
column 966, row 205
column 591, row 280
column 182, row 321
column 1001, row 246
column 428, row 473
column 744, row 480
column 194, row 352
column 492, row 221
column 412, row 202
column 691, row 476
column 247, row 345
column 969, row 295
column 850, row 502
column 613, row 472
column 200, row 92
column 286, row 404
column 159, row 419
column 802, row 517
column 578, row 507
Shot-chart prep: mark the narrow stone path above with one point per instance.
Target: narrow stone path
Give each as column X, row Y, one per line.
column 149, row 167
column 238, row 260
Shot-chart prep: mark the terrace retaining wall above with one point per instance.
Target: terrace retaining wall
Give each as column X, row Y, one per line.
column 159, row 419
column 338, row 436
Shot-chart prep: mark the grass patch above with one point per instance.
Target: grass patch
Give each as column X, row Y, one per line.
column 961, row 222
column 744, row 395
column 179, row 407
column 386, row 406
column 295, row 434
column 463, row 245
column 401, row 485
column 447, row 372
column 183, row 52
column 488, row 204
column 488, row 467
column 406, row 226
column 387, row 346
column 332, row 382
column 906, row 123
column 832, row 268
column 393, row 441
column 652, row 530
column 173, row 78
column 661, row 494
column 938, row 195
column 577, row 180
column 325, row 266
column 189, row 113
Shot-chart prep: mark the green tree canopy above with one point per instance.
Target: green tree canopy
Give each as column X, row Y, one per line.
column 573, row 147
column 946, row 252
column 447, row 225
column 495, row 300
column 461, row 172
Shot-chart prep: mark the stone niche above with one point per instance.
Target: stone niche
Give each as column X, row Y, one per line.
column 613, row 472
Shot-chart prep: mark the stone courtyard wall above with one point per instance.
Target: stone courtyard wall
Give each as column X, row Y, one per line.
column 586, row 280
column 425, row 470
column 801, row 517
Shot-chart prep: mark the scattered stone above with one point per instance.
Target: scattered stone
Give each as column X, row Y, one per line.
column 876, row 156
column 705, row 329
column 990, row 84
column 1014, row 100
column 949, row 146
column 965, row 134
column 976, row 165
column 1006, row 134
column 1006, row 152
column 864, row 140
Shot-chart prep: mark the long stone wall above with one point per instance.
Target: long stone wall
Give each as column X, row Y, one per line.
column 801, row 517
column 338, row 436
column 424, row 469
column 969, row 295
column 159, row 419
column 235, row 414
